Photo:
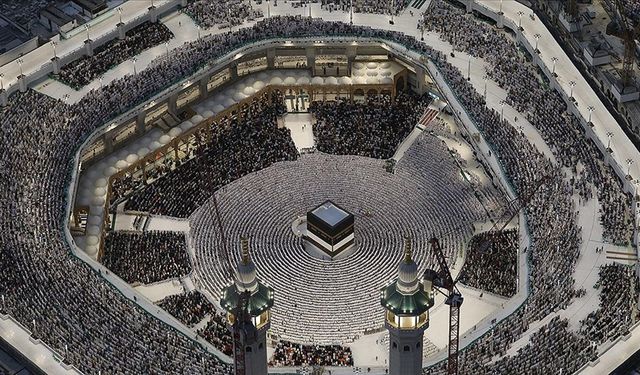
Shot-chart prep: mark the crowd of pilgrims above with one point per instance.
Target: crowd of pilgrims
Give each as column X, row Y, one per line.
column 492, row 262
column 551, row 214
column 373, row 129
column 291, row 354
column 545, row 109
column 246, row 143
column 224, row 14
column 632, row 9
column 189, row 308
column 67, row 304
column 217, row 333
column 146, row 257
column 618, row 291
column 84, row 70
column 365, row 6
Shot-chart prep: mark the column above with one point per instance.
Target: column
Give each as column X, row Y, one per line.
column 271, row 58
column 88, row 47
column 311, row 59
column 420, row 75
column 55, row 63
column 4, row 98
column 140, row 122
column 469, row 6
column 22, row 82
column 351, row 53
column 173, row 104
column 108, row 142
column 204, row 91
column 500, row 20
column 234, row 71
column 121, row 31
column 153, row 14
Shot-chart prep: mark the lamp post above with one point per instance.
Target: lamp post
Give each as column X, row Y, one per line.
column 166, row 44
column 101, row 78
column 422, row 32
column 629, row 162
column 53, row 44
column 135, row 72
column 485, row 87
column 87, row 27
column 351, row 12
column 120, row 14
column 469, row 69
column 500, row 12
column 520, row 13
column 609, row 136
column 572, row 84
column 20, row 61
column 269, row 8
column 198, row 27
column 391, row 11
column 1, row 82
column 65, row 98
column 537, row 36
column 501, row 110
column 555, row 60
column 590, row 109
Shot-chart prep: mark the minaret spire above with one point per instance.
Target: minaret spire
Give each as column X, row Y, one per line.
column 244, row 241
column 408, row 252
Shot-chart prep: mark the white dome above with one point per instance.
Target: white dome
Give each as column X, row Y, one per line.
column 165, row 139
column 208, row 113
column 92, row 240
column 132, row 158
column 101, row 182
column 174, row 132
column 290, row 81
column 385, row 65
column 122, row 164
column 218, row 108
column 92, row 250
column 196, row 119
column 372, row 65
column 317, row 80
column 258, row 85
column 246, row 279
column 372, row 73
column 276, row 81
column 407, row 272
column 358, row 65
column 303, row 81
column 331, row 81
column 93, row 230
column 143, row 152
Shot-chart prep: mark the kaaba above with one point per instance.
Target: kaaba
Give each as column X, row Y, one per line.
column 330, row 228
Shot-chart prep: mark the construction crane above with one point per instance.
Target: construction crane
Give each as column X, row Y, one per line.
column 513, row 208
column 628, row 33
column 444, row 283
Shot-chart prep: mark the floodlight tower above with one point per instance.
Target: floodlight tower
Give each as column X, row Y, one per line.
column 248, row 304
column 407, row 301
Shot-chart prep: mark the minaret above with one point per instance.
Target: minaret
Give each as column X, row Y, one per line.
column 248, row 304
column 407, row 301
